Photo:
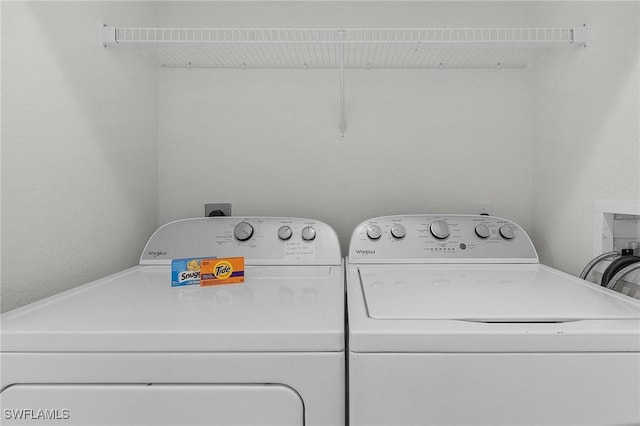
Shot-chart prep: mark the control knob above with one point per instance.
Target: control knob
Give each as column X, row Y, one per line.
column 243, row 231
column 374, row 232
column 284, row 233
column 483, row 231
column 398, row 231
column 308, row 233
column 440, row 229
column 508, row 232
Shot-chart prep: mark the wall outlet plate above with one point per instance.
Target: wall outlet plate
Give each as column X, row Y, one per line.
column 214, row 209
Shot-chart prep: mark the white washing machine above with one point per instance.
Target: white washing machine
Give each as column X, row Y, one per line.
column 129, row 349
column 453, row 321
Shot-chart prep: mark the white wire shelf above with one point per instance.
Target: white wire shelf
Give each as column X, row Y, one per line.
column 351, row 48
column 447, row 48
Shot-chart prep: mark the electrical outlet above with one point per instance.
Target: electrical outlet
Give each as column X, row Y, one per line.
column 217, row 209
column 483, row 208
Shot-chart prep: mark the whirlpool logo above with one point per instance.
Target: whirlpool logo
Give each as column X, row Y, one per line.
column 36, row 414
column 156, row 253
column 365, row 252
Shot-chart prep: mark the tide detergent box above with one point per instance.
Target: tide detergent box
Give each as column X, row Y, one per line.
column 229, row 270
column 185, row 272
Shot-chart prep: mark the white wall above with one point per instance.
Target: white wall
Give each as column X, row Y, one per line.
column 586, row 140
column 417, row 140
column 85, row 180
column 79, row 147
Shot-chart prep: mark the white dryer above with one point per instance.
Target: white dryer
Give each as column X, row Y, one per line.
column 129, row 349
column 453, row 321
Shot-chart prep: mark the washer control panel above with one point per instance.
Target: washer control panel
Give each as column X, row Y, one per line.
column 440, row 239
column 261, row 241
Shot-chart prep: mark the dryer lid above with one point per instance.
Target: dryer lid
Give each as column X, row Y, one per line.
column 276, row 309
column 487, row 293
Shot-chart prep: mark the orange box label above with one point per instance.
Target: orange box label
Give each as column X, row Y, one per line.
column 223, row 270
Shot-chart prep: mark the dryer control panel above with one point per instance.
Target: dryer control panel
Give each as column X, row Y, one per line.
column 260, row 240
column 440, row 239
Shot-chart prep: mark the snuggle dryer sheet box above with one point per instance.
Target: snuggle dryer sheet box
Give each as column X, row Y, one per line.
column 207, row 271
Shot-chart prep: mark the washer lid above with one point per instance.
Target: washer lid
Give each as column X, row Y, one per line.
column 486, row 293
column 485, row 309
column 277, row 308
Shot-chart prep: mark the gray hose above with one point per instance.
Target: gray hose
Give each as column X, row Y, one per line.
column 617, row 277
column 595, row 260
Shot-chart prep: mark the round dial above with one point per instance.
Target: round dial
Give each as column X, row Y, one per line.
column 483, row 231
column 243, row 231
column 398, row 231
column 440, row 229
column 284, row 233
column 308, row 233
column 374, row 232
column 508, row 232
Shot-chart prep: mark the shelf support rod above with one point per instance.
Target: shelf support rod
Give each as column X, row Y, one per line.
column 343, row 121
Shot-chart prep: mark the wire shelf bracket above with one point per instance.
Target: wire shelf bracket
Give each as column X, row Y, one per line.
column 342, row 49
